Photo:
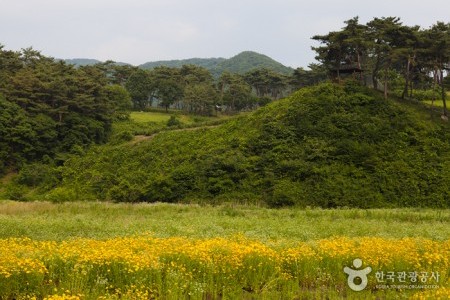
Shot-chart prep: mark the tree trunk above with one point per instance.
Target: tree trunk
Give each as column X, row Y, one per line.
column 443, row 95
column 375, row 71
column 385, row 83
column 405, row 90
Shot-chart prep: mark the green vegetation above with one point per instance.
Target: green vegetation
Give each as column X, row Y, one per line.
column 50, row 110
column 327, row 146
column 435, row 103
column 96, row 220
column 393, row 57
column 352, row 172
column 91, row 250
column 66, row 132
column 241, row 63
column 248, row 61
column 143, row 117
column 207, row 63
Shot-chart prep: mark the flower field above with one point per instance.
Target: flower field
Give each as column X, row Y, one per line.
column 147, row 267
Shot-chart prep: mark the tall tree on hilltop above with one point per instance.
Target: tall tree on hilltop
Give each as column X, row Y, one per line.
column 438, row 52
column 333, row 51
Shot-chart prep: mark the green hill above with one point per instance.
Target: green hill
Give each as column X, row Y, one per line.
column 248, row 61
column 327, row 146
column 241, row 63
column 208, row 63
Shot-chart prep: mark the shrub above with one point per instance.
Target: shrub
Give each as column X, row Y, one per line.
column 61, row 194
column 173, row 121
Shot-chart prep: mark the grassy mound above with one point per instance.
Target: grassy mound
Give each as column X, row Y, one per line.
column 327, row 146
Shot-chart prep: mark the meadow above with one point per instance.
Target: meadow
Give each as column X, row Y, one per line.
column 93, row 250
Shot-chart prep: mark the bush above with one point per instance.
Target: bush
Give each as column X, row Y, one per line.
column 173, row 121
column 123, row 136
column 37, row 174
column 61, row 194
column 285, row 193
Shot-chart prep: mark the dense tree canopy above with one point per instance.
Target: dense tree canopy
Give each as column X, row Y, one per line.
column 49, row 108
column 384, row 49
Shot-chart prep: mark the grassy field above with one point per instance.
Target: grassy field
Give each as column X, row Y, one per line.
column 152, row 116
column 142, row 117
column 97, row 220
column 93, row 250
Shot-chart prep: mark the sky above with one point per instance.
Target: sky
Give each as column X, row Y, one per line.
column 139, row 31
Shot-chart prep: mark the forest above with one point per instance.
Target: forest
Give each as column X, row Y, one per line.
column 51, row 109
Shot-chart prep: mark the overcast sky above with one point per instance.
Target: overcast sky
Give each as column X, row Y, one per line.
column 138, row 31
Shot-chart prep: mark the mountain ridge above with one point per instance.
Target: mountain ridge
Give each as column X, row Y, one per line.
column 241, row 63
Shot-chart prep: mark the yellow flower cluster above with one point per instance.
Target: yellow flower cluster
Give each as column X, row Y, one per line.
column 147, row 266
column 22, row 256
column 438, row 294
column 417, row 253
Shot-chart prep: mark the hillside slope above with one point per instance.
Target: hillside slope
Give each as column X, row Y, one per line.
column 208, row 63
column 248, row 60
column 327, row 146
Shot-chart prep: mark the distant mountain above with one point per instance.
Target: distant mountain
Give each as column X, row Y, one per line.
column 249, row 60
column 78, row 62
column 241, row 63
column 82, row 61
column 208, row 63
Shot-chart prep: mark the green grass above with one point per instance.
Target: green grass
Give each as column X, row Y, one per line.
column 153, row 116
column 180, row 276
column 98, row 220
column 143, row 117
column 437, row 103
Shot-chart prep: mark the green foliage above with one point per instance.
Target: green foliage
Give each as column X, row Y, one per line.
column 173, row 121
column 38, row 174
column 121, row 101
column 61, row 194
column 422, row 95
column 48, row 108
column 240, row 63
column 398, row 57
column 327, row 146
column 138, row 86
column 248, row 61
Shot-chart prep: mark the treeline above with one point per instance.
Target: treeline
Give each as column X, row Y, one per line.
column 193, row 88
column 49, row 109
column 390, row 56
